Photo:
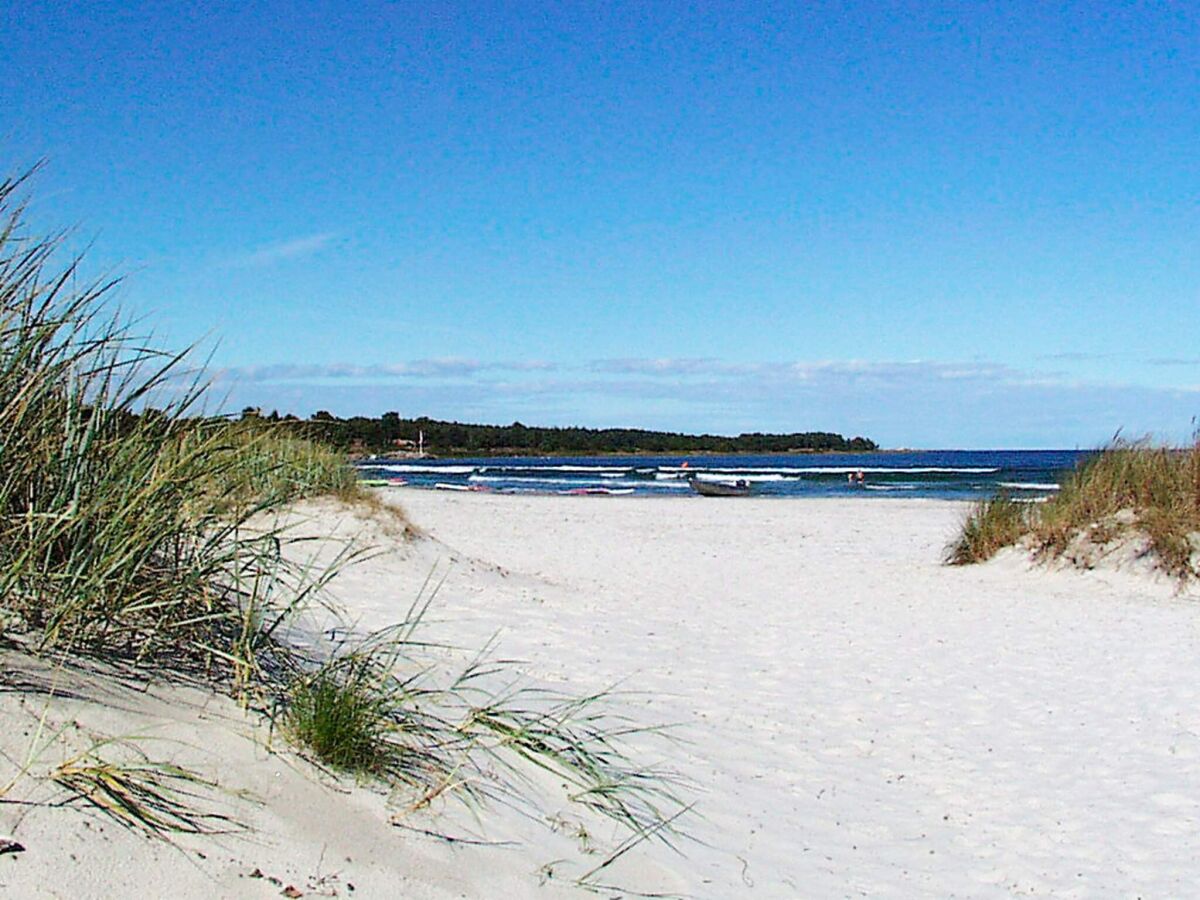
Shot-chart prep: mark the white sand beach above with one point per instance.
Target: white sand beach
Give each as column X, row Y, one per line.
column 856, row 718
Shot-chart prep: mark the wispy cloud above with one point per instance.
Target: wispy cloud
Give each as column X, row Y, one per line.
column 666, row 367
column 849, row 371
column 1175, row 361
column 438, row 368
column 1078, row 356
column 278, row 251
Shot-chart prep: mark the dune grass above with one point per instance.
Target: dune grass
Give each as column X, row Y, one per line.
column 378, row 708
column 1132, row 486
column 125, row 533
column 990, row 526
column 122, row 507
column 343, row 714
column 273, row 462
column 1129, row 488
column 157, row 799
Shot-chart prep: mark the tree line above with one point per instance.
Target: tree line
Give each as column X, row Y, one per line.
column 390, row 433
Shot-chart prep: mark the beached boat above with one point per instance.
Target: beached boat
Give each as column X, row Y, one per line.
column 738, row 488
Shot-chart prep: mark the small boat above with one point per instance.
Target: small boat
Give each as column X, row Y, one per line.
column 738, row 488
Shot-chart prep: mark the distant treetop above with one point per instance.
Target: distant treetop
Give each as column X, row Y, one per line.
column 390, row 432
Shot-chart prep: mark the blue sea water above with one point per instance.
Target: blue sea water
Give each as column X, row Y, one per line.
column 939, row 474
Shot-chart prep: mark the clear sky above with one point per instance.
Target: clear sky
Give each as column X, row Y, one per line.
column 938, row 225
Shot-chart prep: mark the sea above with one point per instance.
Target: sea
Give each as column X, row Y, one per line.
column 936, row 474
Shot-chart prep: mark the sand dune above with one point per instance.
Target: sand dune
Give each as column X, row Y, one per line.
column 857, row 719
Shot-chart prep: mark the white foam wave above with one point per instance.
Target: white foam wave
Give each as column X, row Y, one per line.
column 603, row 480
column 834, row 470
column 1030, row 485
column 494, row 479
column 428, row 470
column 737, row 475
column 590, row 470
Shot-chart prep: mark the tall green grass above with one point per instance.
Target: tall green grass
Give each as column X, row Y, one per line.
column 122, row 509
column 274, row 463
column 125, row 533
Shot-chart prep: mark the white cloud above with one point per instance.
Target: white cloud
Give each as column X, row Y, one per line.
column 427, row 369
column 1174, row 361
column 278, row 251
column 665, row 367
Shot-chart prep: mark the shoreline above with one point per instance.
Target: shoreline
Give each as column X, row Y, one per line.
column 958, row 475
column 883, row 451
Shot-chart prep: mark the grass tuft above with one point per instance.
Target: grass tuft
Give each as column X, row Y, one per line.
column 375, row 709
column 990, row 526
column 122, row 507
column 270, row 461
column 340, row 715
column 1129, row 489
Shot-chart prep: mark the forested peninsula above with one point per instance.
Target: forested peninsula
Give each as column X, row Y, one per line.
column 391, row 434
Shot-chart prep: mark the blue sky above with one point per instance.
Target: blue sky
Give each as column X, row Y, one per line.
column 965, row 225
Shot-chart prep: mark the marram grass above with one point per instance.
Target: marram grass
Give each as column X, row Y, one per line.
column 154, row 798
column 375, row 709
column 343, row 715
column 1130, row 489
column 1132, row 486
column 990, row 526
column 124, row 534
column 271, row 461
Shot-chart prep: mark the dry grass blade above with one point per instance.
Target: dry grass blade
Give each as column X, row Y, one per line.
column 154, row 798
